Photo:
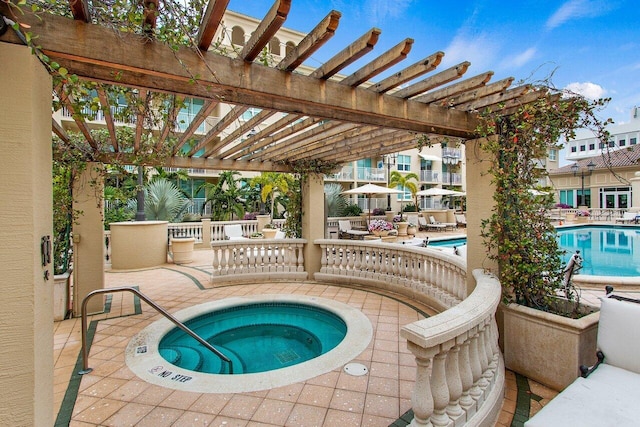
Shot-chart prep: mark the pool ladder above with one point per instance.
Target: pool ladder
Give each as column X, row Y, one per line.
column 85, row 351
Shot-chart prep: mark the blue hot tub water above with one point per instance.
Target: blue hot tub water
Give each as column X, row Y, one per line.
column 257, row 337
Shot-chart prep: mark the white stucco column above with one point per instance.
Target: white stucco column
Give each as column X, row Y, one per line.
column 313, row 221
column 26, row 285
column 88, row 238
column 479, row 205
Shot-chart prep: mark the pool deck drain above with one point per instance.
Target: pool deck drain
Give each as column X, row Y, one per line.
column 356, row 369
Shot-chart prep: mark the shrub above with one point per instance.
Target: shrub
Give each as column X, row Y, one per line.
column 248, row 216
column 352, row 210
column 380, row 225
column 410, row 207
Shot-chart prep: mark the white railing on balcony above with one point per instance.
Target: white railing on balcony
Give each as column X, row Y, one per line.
column 371, row 174
column 450, row 178
column 429, row 176
column 261, row 260
column 345, row 174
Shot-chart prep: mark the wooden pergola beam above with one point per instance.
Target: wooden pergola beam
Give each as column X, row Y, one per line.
column 418, row 69
column 210, row 23
column 245, row 127
column 434, row 81
column 170, row 122
column 273, row 138
column 229, row 118
column 479, row 93
column 494, row 99
column 241, row 149
column 67, row 100
column 380, row 64
column 312, row 42
column 200, row 117
column 348, row 55
column 143, row 96
column 384, row 144
column 267, row 28
column 59, row 130
column 108, row 118
column 80, row 10
column 194, row 163
column 455, row 89
column 329, row 128
column 327, row 145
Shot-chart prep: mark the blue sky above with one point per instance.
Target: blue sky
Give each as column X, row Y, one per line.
column 590, row 46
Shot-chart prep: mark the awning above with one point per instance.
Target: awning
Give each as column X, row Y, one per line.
column 430, row 157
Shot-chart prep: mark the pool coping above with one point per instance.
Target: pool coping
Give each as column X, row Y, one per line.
column 151, row 367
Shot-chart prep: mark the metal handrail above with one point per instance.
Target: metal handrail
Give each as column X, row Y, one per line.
column 85, row 351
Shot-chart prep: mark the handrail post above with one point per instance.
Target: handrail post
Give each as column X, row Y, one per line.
column 85, row 351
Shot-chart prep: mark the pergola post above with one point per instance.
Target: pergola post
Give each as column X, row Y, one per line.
column 313, row 221
column 88, row 238
column 479, row 206
column 26, row 282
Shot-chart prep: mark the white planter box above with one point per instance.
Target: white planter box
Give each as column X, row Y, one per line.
column 60, row 295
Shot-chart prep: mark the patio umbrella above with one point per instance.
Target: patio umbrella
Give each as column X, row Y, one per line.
column 370, row 189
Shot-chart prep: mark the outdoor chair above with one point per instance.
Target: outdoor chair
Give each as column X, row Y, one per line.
column 461, row 220
column 627, row 217
column 346, row 232
column 435, row 225
column 233, row 232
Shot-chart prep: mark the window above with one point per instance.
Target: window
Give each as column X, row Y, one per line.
column 574, row 149
column 612, row 144
column 406, row 195
column 404, row 162
column 426, row 165
column 274, row 46
column 247, row 115
column 633, row 141
column 601, row 145
column 622, row 142
column 592, row 147
column 237, row 36
column 553, row 154
column 583, row 148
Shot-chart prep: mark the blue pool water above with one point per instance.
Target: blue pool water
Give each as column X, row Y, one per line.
column 607, row 250
column 256, row 337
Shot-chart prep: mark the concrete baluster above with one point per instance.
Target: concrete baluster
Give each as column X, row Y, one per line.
column 422, row 400
column 454, row 382
column 301, row 258
column 466, row 376
column 440, row 388
column 476, row 367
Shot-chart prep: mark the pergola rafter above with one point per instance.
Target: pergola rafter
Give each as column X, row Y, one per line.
column 324, row 117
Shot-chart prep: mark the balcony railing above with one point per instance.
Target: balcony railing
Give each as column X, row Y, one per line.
column 345, row 174
column 371, row 174
column 429, row 176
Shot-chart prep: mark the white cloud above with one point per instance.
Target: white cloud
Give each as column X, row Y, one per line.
column 520, row 59
column 587, row 89
column 479, row 49
column 575, row 9
column 380, row 10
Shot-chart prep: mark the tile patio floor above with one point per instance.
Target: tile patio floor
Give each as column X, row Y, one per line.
column 112, row 395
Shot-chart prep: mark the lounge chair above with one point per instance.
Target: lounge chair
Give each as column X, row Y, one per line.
column 437, row 225
column 422, row 223
column 627, row 217
column 461, row 220
column 346, row 232
column 233, row 232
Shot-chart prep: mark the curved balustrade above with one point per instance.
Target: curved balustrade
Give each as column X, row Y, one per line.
column 258, row 260
column 185, row 229
column 460, row 371
column 427, row 275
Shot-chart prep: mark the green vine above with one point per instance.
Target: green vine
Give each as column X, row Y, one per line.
column 519, row 234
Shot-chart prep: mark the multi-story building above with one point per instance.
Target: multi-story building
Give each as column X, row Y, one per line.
column 602, row 173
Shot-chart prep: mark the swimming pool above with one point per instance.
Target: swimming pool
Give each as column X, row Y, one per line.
column 607, row 250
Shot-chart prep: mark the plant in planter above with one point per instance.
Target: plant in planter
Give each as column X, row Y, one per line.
column 522, row 241
column 380, row 227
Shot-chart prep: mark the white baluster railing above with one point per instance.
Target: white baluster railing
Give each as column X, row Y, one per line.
column 258, row 260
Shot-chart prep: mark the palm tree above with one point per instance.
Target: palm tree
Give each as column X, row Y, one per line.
column 270, row 184
column 164, row 201
column 225, row 197
column 336, row 202
column 396, row 179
